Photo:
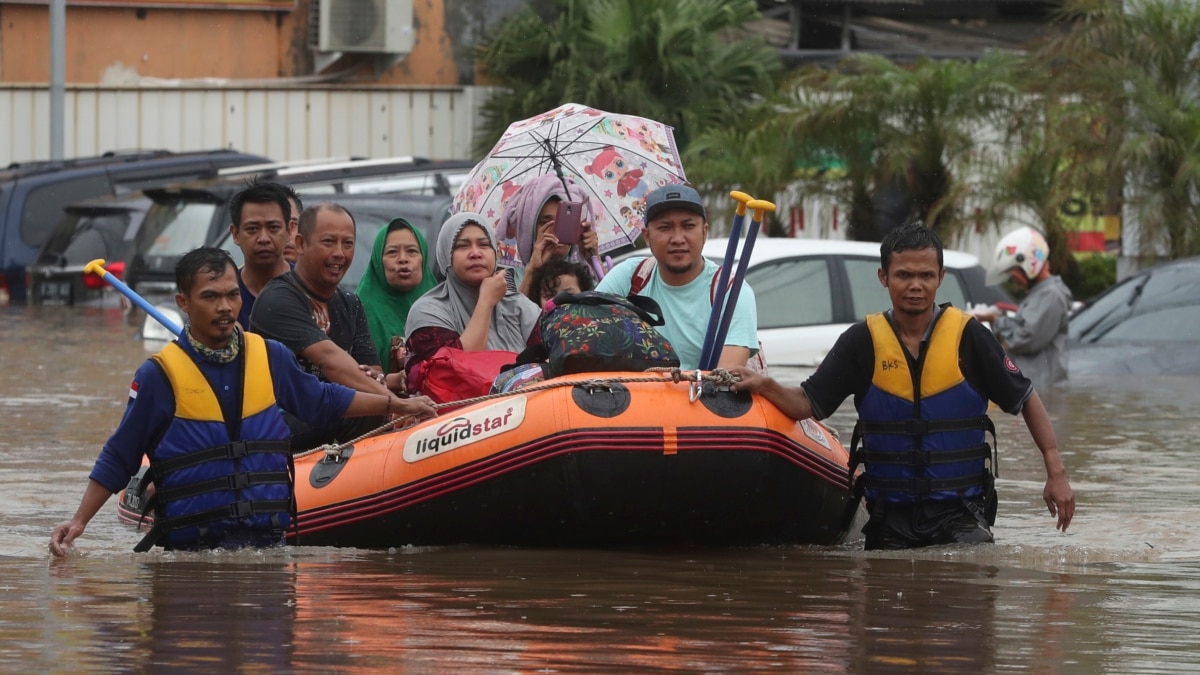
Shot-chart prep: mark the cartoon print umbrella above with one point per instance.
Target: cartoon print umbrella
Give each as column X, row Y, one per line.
column 617, row 159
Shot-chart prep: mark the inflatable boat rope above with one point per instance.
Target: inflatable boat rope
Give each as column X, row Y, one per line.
column 718, row 376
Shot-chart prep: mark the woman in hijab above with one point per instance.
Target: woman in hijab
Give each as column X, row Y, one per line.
column 473, row 309
column 399, row 272
column 529, row 218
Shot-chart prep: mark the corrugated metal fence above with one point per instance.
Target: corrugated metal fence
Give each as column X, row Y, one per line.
column 280, row 123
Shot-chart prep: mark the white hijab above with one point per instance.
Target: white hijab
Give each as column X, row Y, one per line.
column 451, row 303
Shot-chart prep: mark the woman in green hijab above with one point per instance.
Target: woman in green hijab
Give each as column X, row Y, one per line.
column 397, row 275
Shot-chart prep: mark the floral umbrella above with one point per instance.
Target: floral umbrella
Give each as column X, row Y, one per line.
column 617, row 159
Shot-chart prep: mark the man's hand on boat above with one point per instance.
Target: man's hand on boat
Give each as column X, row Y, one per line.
column 791, row 401
column 417, row 407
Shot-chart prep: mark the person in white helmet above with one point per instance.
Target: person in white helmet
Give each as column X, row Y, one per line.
column 1036, row 336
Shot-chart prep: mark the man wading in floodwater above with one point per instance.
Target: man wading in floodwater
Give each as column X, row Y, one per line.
column 206, row 411
column 921, row 376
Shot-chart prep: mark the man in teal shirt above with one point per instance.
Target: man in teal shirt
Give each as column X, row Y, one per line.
column 681, row 279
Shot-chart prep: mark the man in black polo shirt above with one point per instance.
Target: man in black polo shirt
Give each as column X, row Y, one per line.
column 262, row 226
column 323, row 324
column 921, row 376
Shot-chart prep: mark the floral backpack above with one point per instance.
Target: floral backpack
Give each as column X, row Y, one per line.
column 598, row 332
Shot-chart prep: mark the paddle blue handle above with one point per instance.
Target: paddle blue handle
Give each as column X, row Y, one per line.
column 760, row 208
column 709, row 346
column 731, row 303
column 97, row 267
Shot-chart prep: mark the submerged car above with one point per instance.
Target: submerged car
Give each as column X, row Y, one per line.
column 809, row 291
column 32, row 196
column 1148, row 324
column 101, row 228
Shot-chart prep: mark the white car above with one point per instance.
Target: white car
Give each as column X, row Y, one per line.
column 809, row 291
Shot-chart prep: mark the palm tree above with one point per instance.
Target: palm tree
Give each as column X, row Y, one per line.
column 1141, row 60
column 756, row 155
column 905, row 133
column 674, row 61
column 1042, row 168
column 1051, row 153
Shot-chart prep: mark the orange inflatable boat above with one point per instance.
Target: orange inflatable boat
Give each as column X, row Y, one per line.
column 603, row 459
column 599, row 459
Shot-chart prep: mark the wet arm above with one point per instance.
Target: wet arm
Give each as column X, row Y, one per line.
column 1059, row 498
column 149, row 411
column 320, row 403
column 338, row 366
column 64, row 535
column 791, row 401
column 364, row 405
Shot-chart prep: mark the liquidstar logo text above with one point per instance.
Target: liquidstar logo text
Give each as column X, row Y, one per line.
column 465, row 429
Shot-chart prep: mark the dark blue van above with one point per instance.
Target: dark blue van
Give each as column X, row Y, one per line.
column 33, row 195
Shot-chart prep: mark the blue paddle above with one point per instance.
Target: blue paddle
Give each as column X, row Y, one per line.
column 714, row 316
column 759, row 207
column 97, row 267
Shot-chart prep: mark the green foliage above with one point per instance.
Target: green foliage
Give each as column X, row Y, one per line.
column 757, row 155
column 1140, row 60
column 1092, row 274
column 1107, row 109
column 905, row 127
column 1045, row 163
column 673, row 61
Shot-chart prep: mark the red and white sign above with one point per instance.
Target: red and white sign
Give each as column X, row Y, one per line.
column 465, row 429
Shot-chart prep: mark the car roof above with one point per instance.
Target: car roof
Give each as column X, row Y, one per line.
column 1182, row 265
column 20, row 169
column 245, row 169
column 221, row 188
column 369, row 167
column 1194, row 261
column 385, row 163
column 779, row 248
column 136, row 170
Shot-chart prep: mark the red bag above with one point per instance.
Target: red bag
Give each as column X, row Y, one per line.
column 454, row 375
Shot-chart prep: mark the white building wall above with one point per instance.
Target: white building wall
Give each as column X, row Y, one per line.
column 279, row 123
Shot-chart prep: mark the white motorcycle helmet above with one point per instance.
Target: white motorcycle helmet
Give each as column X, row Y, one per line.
column 1025, row 248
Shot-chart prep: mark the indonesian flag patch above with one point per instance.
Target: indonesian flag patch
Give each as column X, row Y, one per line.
column 133, row 389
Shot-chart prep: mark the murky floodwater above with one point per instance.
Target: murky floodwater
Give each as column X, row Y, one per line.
column 1116, row 594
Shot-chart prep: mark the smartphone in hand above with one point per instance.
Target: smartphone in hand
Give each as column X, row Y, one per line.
column 567, row 224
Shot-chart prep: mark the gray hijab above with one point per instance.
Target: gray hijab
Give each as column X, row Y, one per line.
column 450, row 304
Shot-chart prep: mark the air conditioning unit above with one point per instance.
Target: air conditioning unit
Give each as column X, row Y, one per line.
column 374, row 26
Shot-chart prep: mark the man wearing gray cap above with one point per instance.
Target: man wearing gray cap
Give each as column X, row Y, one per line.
column 680, row 279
